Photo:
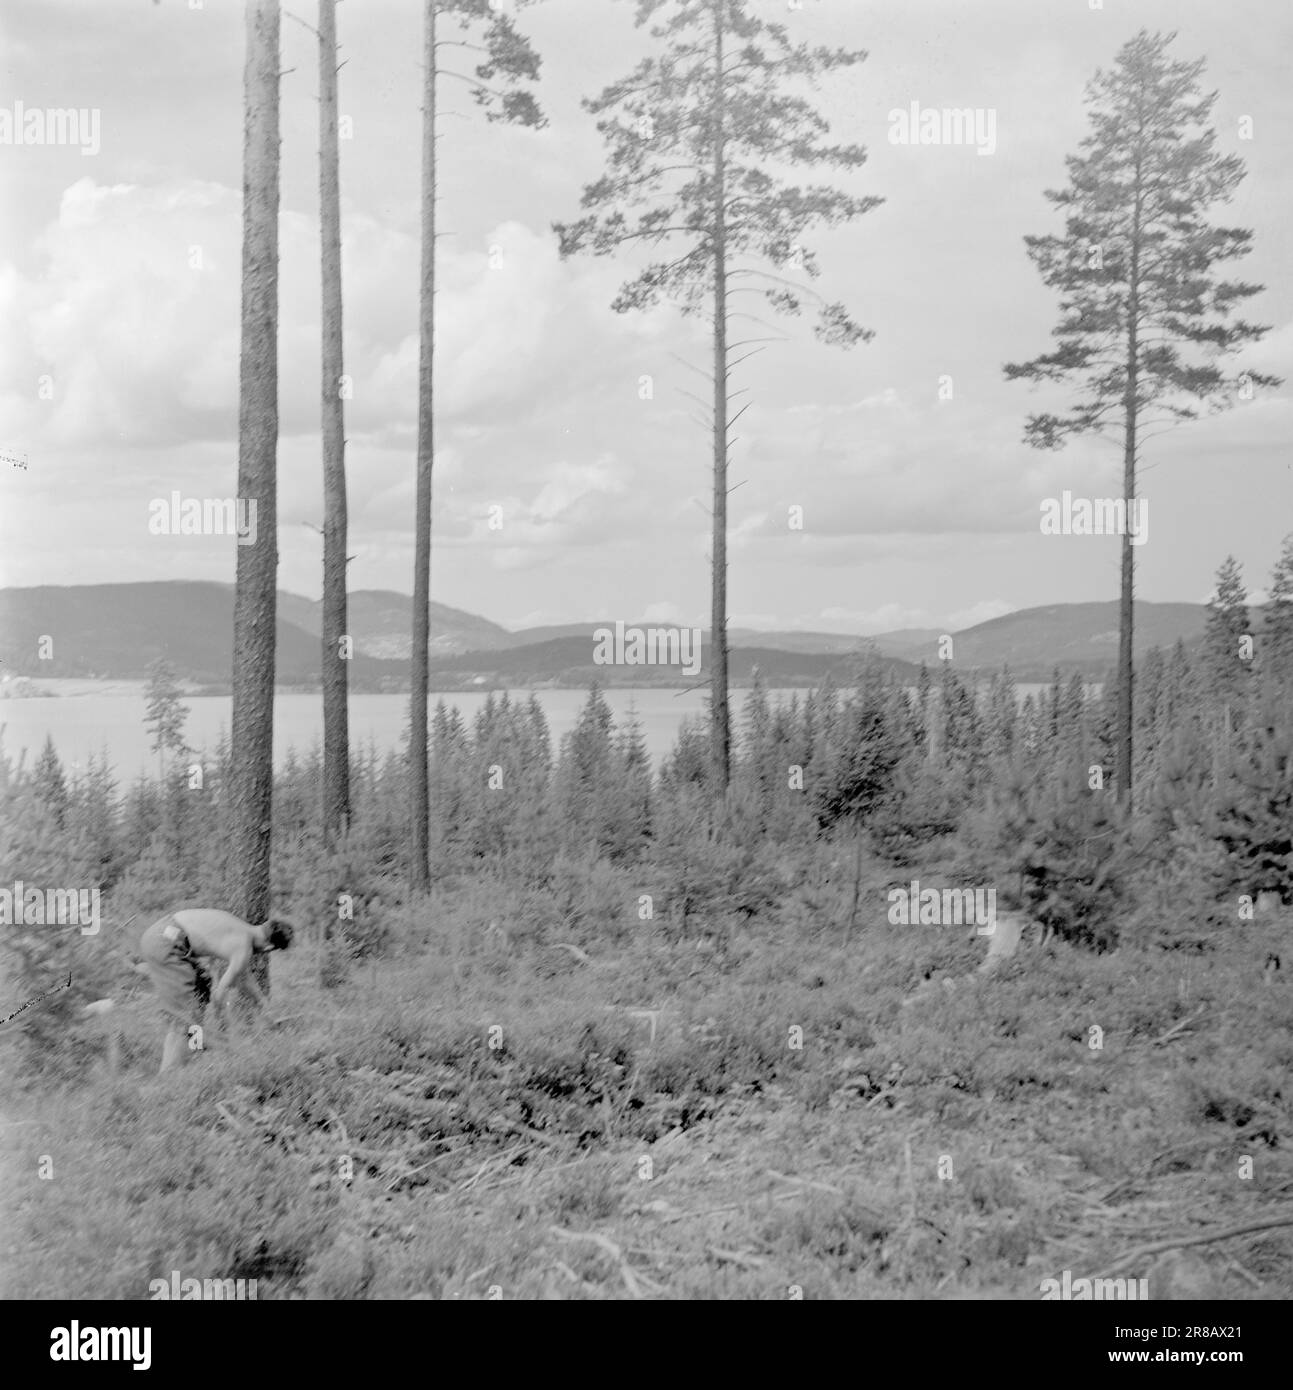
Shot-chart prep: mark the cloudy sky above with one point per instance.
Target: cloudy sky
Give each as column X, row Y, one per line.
column 917, row 511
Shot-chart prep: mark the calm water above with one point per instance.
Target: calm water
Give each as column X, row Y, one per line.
column 88, row 724
column 91, row 722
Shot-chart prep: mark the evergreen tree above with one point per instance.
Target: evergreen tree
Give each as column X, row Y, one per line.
column 924, row 700
column 92, row 816
column 687, row 765
column 1253, row 821
column 334, row 632
column 1179, row 691
column 251, row 766
column 586, row 770
column 698, row 135
column 628, row 799
column 1054, row 712
column 450, row 765
column 477, row 26
column 961, row 736
column 1073, row 718
column 540, row 742
column 1149, row 696
column 1277, row 638
column 1227, row 628
column 1002, row 715
column 51, row 784
column 755, row 770
column 1030, row 739
column 164, row 715
column 866, row 751
column 1144, row 316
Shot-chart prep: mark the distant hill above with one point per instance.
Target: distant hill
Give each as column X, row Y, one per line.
column 837, row 643
column 381, row 623
column 549, row 632
column 1079, row 637
column 736, row 636
column 904, row 641
column 569, row 661
column 113, row 631
column 1032, row 642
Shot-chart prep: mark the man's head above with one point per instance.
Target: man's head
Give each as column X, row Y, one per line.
column 278, row 935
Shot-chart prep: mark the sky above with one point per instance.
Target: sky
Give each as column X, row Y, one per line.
column 119, row 299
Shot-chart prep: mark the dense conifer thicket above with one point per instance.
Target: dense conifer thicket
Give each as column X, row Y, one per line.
column 952, row 776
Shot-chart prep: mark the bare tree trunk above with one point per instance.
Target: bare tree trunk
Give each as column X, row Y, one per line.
column 336, row 730
column 1127, row 610
column 720, row 725
column 251, row 775
column 420, row 795
column 1126, row 619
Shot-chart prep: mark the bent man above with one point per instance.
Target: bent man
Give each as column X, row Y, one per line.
column 176, row 949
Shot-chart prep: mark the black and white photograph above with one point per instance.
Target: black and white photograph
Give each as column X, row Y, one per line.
column 646, row 655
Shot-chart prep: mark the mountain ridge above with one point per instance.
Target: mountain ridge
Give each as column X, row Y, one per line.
column 113, row 631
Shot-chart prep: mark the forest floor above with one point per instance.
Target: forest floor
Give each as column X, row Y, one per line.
column 785, row 1114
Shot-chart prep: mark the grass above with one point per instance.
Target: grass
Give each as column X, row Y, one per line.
column 743, row 1115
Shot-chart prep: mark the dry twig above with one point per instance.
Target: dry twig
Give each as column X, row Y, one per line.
column 631, row 1281
column 1207, row 1238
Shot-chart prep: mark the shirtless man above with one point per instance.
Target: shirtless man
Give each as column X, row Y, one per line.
column 175, row 949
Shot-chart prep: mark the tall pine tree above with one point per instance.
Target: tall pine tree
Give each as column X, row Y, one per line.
column 474, row 26
column 702, row 138
column 1144, row 316
column 251, row 774
column 335, row 636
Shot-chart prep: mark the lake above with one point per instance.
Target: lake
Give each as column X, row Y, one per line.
column 92, row 722
column 89, row 718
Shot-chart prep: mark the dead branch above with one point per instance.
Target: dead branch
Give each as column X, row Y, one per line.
column 581, row 956
column 1207, row 1238
column 613, row 1250
column 1179, row 1027
column 806, row 1182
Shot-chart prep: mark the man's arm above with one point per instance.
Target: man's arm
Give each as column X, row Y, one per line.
column 249, row 985
column 246, row 981
column 239, row 960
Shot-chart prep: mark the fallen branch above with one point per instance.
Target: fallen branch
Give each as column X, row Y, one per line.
column 911, row 1180
column 236, row 1125
column 613, row 1250
column 1207, row 1238
column 581, row 956
column 563, row 1268
column 1242, row 1272
column 806, row 1182
column 1179, row 1027
column 730, row 1206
